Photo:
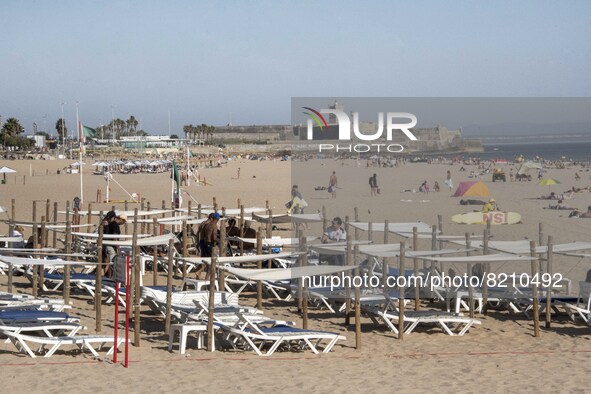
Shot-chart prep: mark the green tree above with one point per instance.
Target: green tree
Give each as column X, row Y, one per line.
column 62, row 130
column 10, row 131
column 12, row 127
column 174, row 137
column 132, row 124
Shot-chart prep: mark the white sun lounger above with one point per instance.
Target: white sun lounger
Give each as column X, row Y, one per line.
column 84, row 341
column 446, row 320
column 49, row 329
column 254, row 337
column 582, row 308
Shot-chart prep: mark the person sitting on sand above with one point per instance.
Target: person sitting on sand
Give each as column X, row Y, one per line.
column 490, row 206
column 436, row 186
column 472, row 202
column 560, row 206
column 586, row 215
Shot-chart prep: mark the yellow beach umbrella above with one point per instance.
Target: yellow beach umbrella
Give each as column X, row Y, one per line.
column 548, row 182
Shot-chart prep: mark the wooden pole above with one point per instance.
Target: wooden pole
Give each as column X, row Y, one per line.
column 242, row 225
column 534, row 287
column 148, row 208
column 126, row 209
column 440, row 228
column 259, row 266
column 486, row 271
column 348, row 261
column 155, row 253
column 541, row 234
column 270, row 233
column 369, row 231
column 137, row 274
column 88, row 214
column 324, row 222
column 385, row 268
column 415, row 263
column 43, row 244
column 68, row 252
column 169, row 286
column 357, row 303
column 549, row 288
column 34, row 212
column 356, row 216
column 211, row 303
column 35, row 267
column 184, row 248
column 222, row 253
column 98, row 284
column 54, row 235
column 13, row 209
column 401, row 294
column 469, row 269
column 48, row 219
column 10, row 273
column 304, row 263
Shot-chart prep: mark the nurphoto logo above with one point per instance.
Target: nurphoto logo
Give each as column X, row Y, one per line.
column 344, row 130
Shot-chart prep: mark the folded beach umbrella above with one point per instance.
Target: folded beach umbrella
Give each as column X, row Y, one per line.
column 472, row 189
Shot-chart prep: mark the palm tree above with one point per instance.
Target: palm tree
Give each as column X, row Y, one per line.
column 188, row 129
column 60, row 127
column 132, row 124
column 211, row 130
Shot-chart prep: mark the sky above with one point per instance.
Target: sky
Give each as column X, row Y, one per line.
column 243, row 61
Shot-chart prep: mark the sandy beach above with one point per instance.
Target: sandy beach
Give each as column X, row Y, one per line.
column 500, row 355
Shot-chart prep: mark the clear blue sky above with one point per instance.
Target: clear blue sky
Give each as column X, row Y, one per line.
column 208, row 61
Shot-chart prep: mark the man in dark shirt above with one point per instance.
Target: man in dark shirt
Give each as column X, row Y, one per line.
column 210, row 235
column 113, row 228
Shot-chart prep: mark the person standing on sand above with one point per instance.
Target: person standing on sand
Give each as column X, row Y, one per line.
column 448, row 180
column 210, row 235
column 332, row 185
column 373, row 185
column 238, row 174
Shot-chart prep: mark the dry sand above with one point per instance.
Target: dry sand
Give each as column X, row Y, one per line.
column 500, row 355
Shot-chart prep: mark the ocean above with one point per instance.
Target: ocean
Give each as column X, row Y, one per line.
column 575, row 151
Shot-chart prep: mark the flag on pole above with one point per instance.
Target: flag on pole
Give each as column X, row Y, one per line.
column 80, row 136
column 88, row 132
column 175, row 175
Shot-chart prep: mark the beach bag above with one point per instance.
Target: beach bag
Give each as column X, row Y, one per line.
column 378, row 190
column 330, row 189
